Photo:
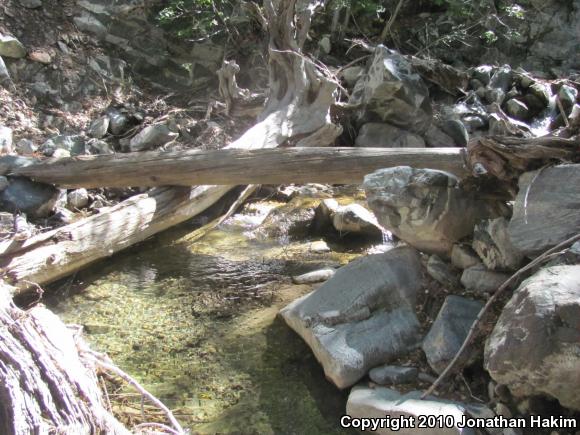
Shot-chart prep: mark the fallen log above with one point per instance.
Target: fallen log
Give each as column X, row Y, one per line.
column 238, row 166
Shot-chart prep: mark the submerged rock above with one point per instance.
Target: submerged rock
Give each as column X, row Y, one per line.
column 26, row 196
column 381, row 402
column 425, row 208
column 449, row 330
column 391, row 91
column 380, row 135
column 363, row 316
column 534, row 348
column 546, row 209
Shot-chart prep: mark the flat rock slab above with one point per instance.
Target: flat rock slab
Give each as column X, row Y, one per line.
column 450, row 330
column 362, row 317
column 546, row 209
column 534, row 348
column 381, row 402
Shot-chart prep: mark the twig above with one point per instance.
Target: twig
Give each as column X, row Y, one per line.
column 393, row 17
column 472, row 331
column 98, row 360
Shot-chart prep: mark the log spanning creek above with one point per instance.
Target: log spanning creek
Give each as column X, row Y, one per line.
column 195, row 323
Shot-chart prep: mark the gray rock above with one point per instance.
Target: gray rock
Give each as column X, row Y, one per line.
column 290, row 221
column 473, row 123
column 568, row 96
column 5, row 140
column 352, row 74
column 96, row 146
column 392, row 92
column 393, row 375
column 11, row 47
column 517, row 109
column 26, row 146
column 455, row 129
column 363, row 316
column 381, row 402
column 463, row 257
column 546, row 213
column 26, row 196
column 450, row 330
column 542, row 92
column 325, row 45
column 75, row 145
column 483, row 74
column 379, row 135
column 31, row 4
column 314, row 276
column 494, row 95
column 78, row 199
column 481, row 280
column 502, row 78
column 4, row 183
column 119, row 123
column 153, row 136
column 424, row 207
column 99, row 127
column 442, row 272
column 534, row 348
column 355, row 219
column 61, row 153
column 9, row 163
column 492, row 243
column 87, row 22
column 437, row 138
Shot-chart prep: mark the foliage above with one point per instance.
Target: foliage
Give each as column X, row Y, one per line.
column 193, row 18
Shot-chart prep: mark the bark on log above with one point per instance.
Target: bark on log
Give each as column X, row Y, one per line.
column 238, row 166
column 45, row 387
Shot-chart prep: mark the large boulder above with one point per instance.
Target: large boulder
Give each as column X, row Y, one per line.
column 449, row 330
column 534, row 348
column 426, row 208
column 363, row 316
column 380, row 135
column 391, row 91
column 546, row 209
column 381, row 402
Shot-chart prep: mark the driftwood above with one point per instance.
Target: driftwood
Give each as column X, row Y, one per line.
column 45, row 386
column 238, row 166
column 506, row 158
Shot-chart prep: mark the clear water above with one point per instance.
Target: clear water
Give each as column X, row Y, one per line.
column 196, row 324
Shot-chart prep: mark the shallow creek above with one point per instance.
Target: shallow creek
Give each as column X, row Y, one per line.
column 195, row 323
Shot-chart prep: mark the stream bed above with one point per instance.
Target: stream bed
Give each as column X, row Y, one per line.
column 195, row 323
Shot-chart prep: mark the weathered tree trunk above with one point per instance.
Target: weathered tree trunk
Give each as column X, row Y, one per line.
column 45, row 387
column 238, row 166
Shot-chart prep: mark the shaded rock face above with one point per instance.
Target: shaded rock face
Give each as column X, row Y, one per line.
column 425, row 208
column 34, row 199
column 534, row 348
column 363, row 316
column 391, row 91
column 364, row 402
column 379, row 135
column 449, row 330
column 479, row 279
column 546, row 209
column 492, row 243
